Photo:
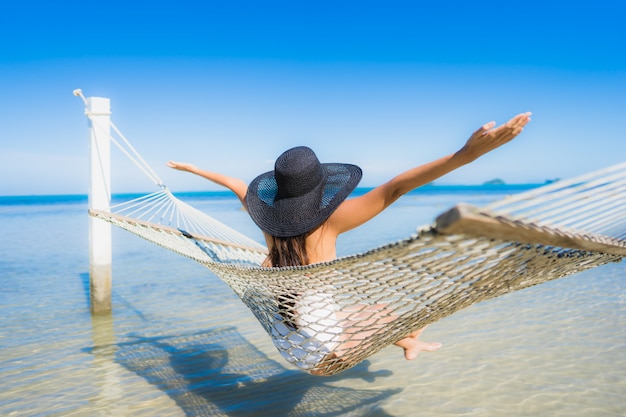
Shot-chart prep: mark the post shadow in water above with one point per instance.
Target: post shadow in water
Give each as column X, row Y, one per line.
column 219, row 373
column 84, row 278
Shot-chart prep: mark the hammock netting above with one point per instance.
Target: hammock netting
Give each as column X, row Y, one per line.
column 328, row 317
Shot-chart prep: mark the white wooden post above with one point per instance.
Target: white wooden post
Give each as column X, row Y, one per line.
column 100, row 254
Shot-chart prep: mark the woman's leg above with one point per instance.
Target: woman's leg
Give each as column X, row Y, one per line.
column 361, row 322
column 413, row 346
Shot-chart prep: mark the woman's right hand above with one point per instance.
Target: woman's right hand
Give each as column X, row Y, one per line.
column 181, row 166
column 236, row 185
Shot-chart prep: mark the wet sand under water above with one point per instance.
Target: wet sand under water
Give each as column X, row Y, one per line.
column 179, row 343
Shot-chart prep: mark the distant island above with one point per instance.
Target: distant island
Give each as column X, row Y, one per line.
column 495, row 181
column 552, row 180
column 498, row 181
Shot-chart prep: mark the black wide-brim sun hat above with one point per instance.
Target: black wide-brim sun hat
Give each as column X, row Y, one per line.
column 300, row 194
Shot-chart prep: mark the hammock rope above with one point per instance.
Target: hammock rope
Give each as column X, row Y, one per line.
column 328, row 317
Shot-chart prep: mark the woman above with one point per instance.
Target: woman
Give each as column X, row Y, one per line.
column 302, row 205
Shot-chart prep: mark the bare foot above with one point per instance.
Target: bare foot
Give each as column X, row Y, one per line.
column 413, row 346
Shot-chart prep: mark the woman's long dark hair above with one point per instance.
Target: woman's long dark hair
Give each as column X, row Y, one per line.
column 288, row 251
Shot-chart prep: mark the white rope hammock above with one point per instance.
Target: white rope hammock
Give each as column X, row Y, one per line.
column 328, row 317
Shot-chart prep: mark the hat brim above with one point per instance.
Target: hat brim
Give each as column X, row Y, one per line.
column 288, row 217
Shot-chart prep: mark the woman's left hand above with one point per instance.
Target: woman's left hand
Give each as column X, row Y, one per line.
column 488, row 138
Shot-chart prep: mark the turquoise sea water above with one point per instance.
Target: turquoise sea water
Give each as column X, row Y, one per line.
column 179, row 343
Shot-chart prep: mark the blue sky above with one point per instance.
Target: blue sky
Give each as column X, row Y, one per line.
column 386, row 85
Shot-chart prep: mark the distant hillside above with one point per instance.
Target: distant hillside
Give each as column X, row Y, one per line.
column 495, row 181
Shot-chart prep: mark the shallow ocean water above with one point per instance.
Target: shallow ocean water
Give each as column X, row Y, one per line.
column 180, row 343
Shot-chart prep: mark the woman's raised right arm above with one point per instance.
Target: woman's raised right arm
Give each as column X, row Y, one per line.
column 237, row 186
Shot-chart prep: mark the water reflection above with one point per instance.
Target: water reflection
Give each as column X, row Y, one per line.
column 107, row 377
